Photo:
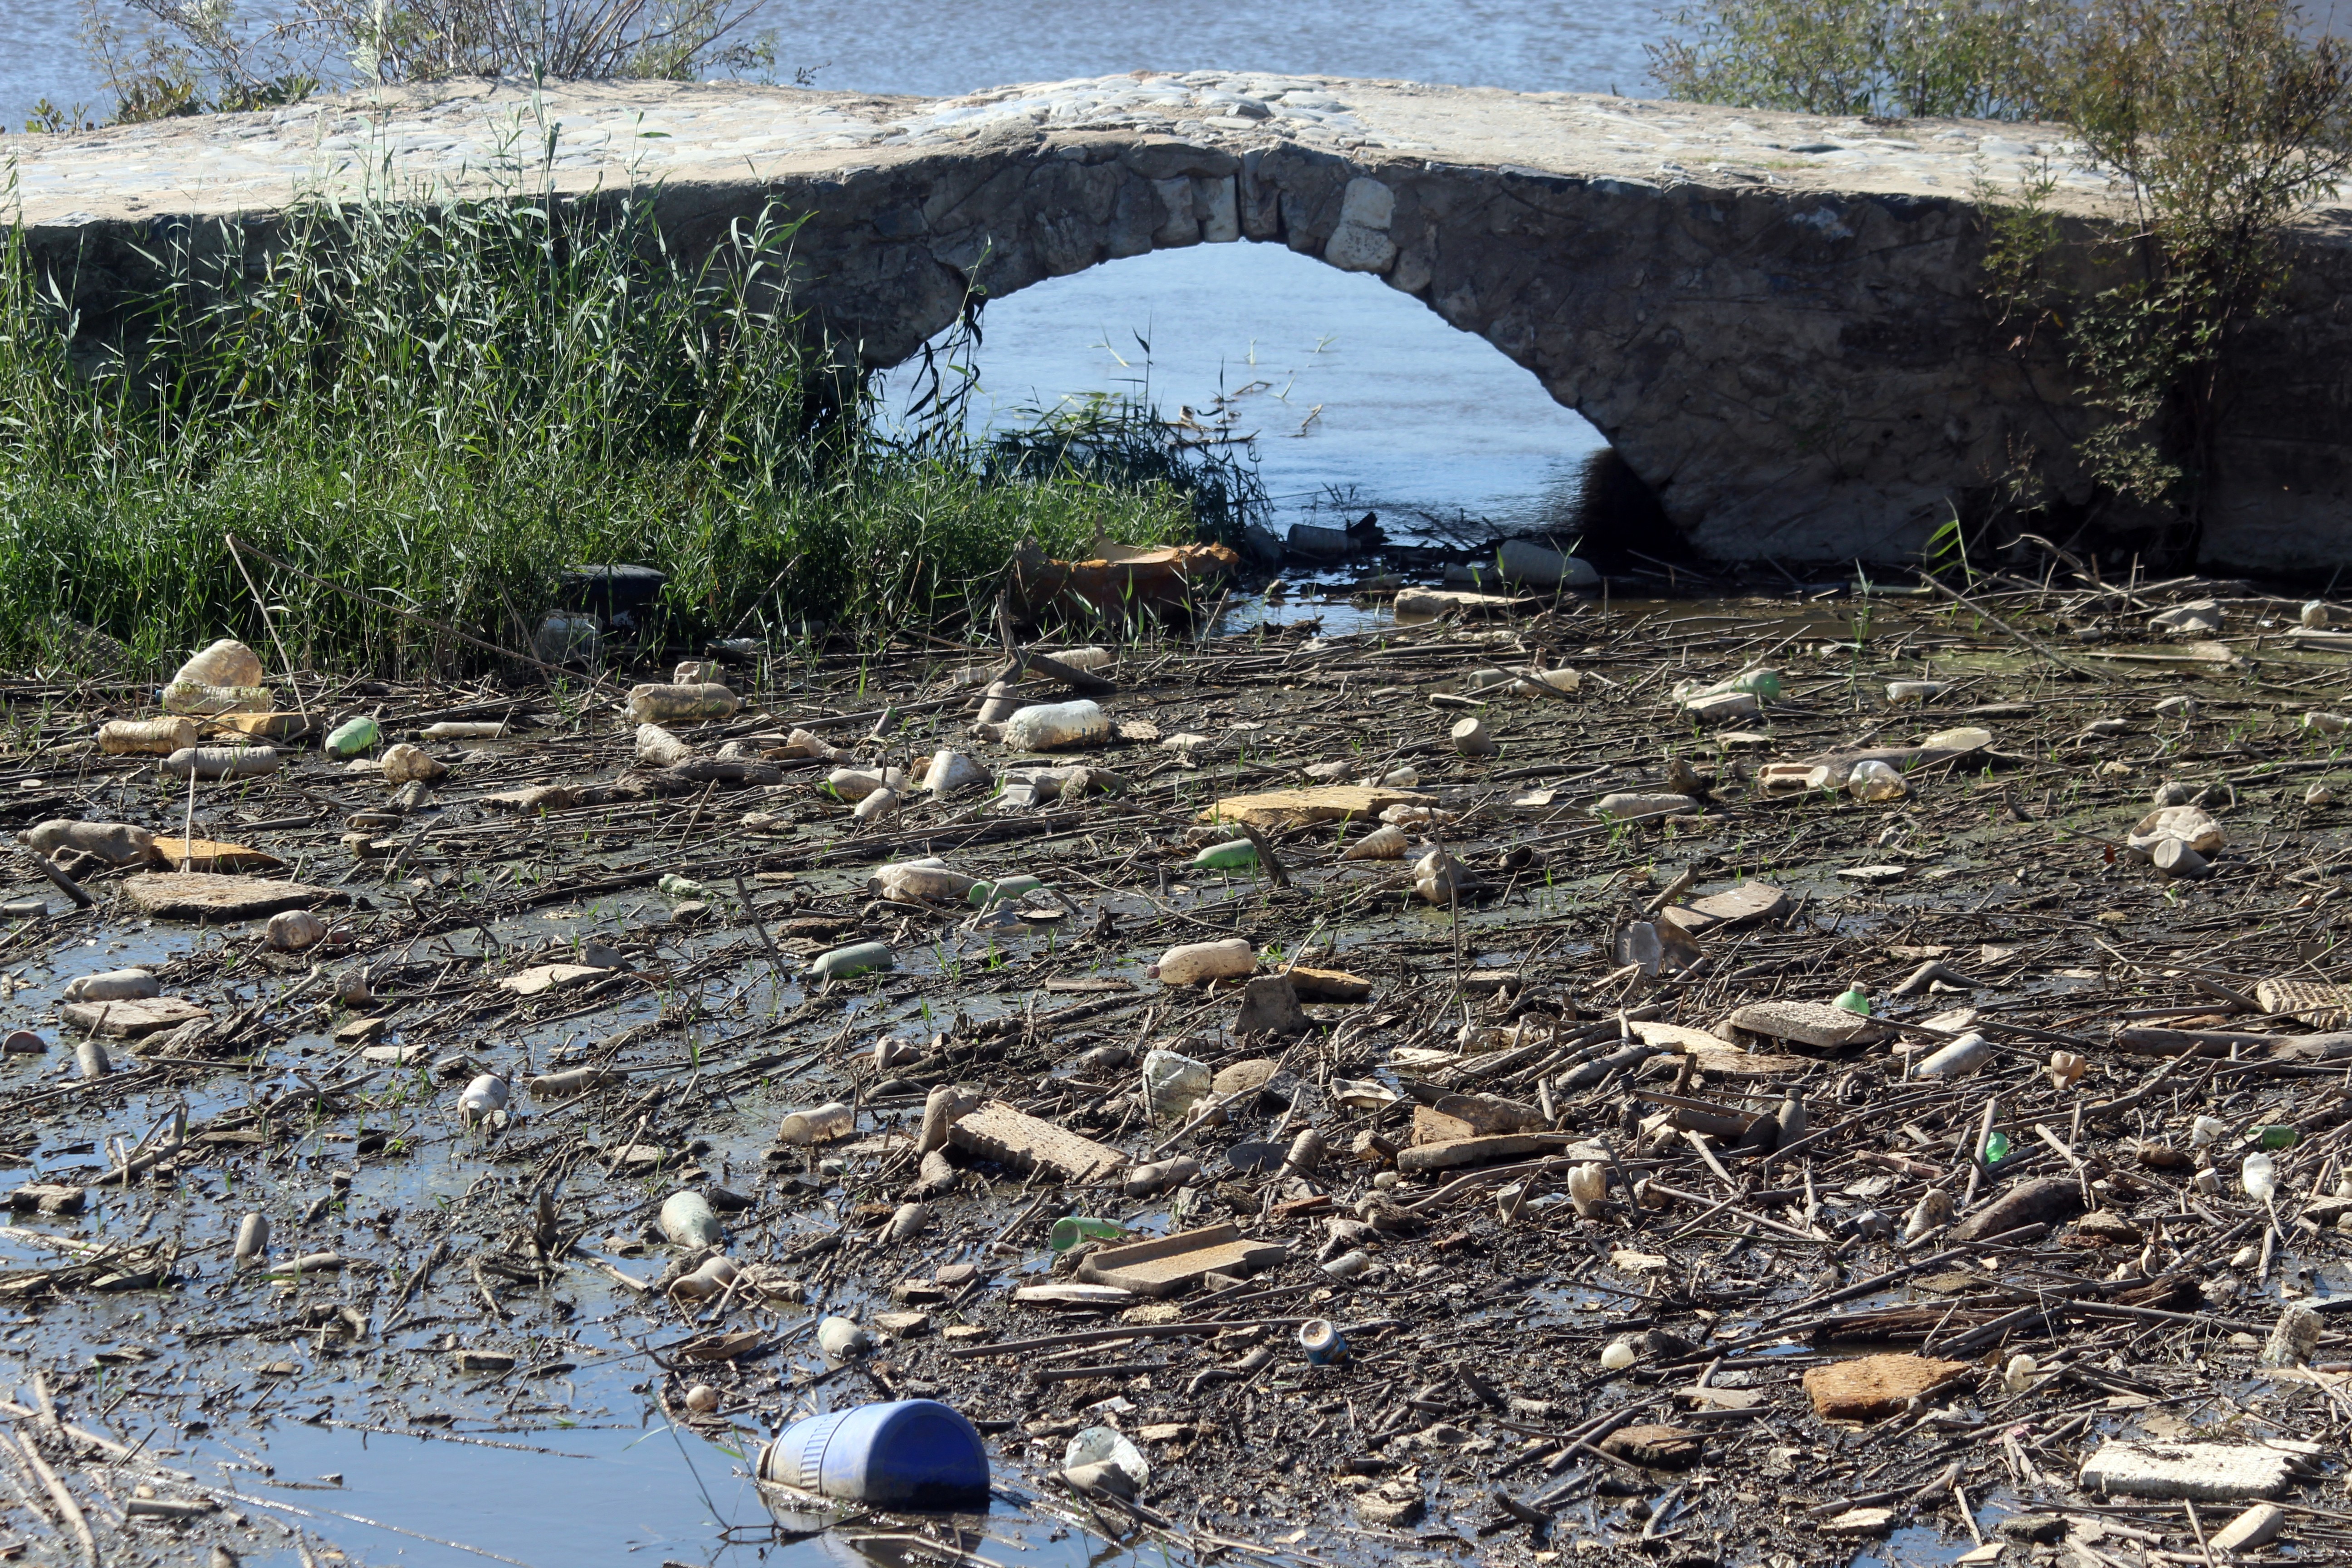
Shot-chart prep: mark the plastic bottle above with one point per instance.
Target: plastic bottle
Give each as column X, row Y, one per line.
column 854, row 785
column 1072, row 1229
column 909, row 1221
column 118, row 842
column 1004, row 890
column 1241, row 855
column 658, row 748
column 1618, row 1355
column 225, row 677
column 1173, row 1084
column 822, row 1124
column 881, row 802
column 1147, row 1180
column 222, row 761
column 1471, row 739
column 840, row 1338
column 1108, row 1446
column 1194, row 963
column 1854, row 1000
column 145, row 737
column 1086, row 659
column 567, row 640
column 678, row 889
column 2259, row 1176
column 2066, row 1070
column 1587, row 1188
column 1350, row 1265
column 918, row 882
column 1913, row 690
column 2280, row 1135
column 674, row 704
column 952, row 771
column 1873, row 781
column 463, row 729
column 252, row 1240
column 1387, row 843
column 708, row 1280
column 859, row 958
column 405, row 763
column 2020, row 1373
column 484, row 1097
column 907, row 1454
column 1957, row 1060
column 1996, row 1148
column 1534, row 565
column 113, row 986
column 1055, row 726
column 352, row 736
column 2206, row 1129
column 292, row 931
column 91, row 1059
column 689, row 1220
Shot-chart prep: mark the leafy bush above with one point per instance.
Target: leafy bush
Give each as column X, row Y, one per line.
column 2218, row 120
column 442, row 406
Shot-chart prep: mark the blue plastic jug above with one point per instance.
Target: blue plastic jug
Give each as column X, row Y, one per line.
column 910, row 1453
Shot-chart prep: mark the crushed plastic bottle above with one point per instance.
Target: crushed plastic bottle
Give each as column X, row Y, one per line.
column 679, row 889
column 1173, row 1084
column 1873, row 781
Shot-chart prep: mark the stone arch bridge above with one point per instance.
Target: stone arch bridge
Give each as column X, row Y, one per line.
column 1775, row 319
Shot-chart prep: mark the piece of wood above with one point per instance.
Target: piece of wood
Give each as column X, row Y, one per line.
column 206, row 855
column 130, row 1020
column 2313, row 1002
column 545, row 977
column 1815, row 1024
column 274, row 726
column 1458, row 1116
column 1287, row 809
column 2200, row 1472
column 1748, row 902
column 1010, row 1137
column 1328, row 984
column 1079, row 1295
column 1443, row 601
column 1479, row 1150
column 1868, row 1388
column 218, row 899
column 1169, row 1264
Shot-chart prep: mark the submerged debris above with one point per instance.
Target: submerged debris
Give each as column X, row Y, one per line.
column 1356, row 1094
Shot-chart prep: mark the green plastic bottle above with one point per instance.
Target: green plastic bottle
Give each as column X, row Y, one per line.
column 1996, row 1149
column 1241, row 855
column 1762, row 684
column 1855, row 1000
column 2281, row 1135
column 1008, row 890
column 352, row 736
column 1072, row 1229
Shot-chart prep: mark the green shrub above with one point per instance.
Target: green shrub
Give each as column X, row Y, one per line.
column 441, row 407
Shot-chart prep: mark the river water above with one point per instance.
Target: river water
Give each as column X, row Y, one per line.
column 1361, row 399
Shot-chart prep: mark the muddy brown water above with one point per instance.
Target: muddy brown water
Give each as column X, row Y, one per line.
column 388, row 1446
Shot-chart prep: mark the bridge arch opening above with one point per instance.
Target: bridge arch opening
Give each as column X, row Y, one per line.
column 1351, row 396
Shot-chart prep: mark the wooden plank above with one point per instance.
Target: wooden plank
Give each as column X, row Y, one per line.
column 1010, row 1137
column 1480, row 1150
column 1166, row 1265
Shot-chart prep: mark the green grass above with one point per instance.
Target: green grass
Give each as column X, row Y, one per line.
column 443, row 405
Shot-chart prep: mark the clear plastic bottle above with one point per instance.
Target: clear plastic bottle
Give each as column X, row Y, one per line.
column 690, row 1221
column 222, row 761
column 146, row 737
column 668, row 703
column 1194, row 963
column 821, row 1124
column 1057, row 726
column 1873, row 781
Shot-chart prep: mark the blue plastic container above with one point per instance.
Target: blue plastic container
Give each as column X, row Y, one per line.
column 908, row 1454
